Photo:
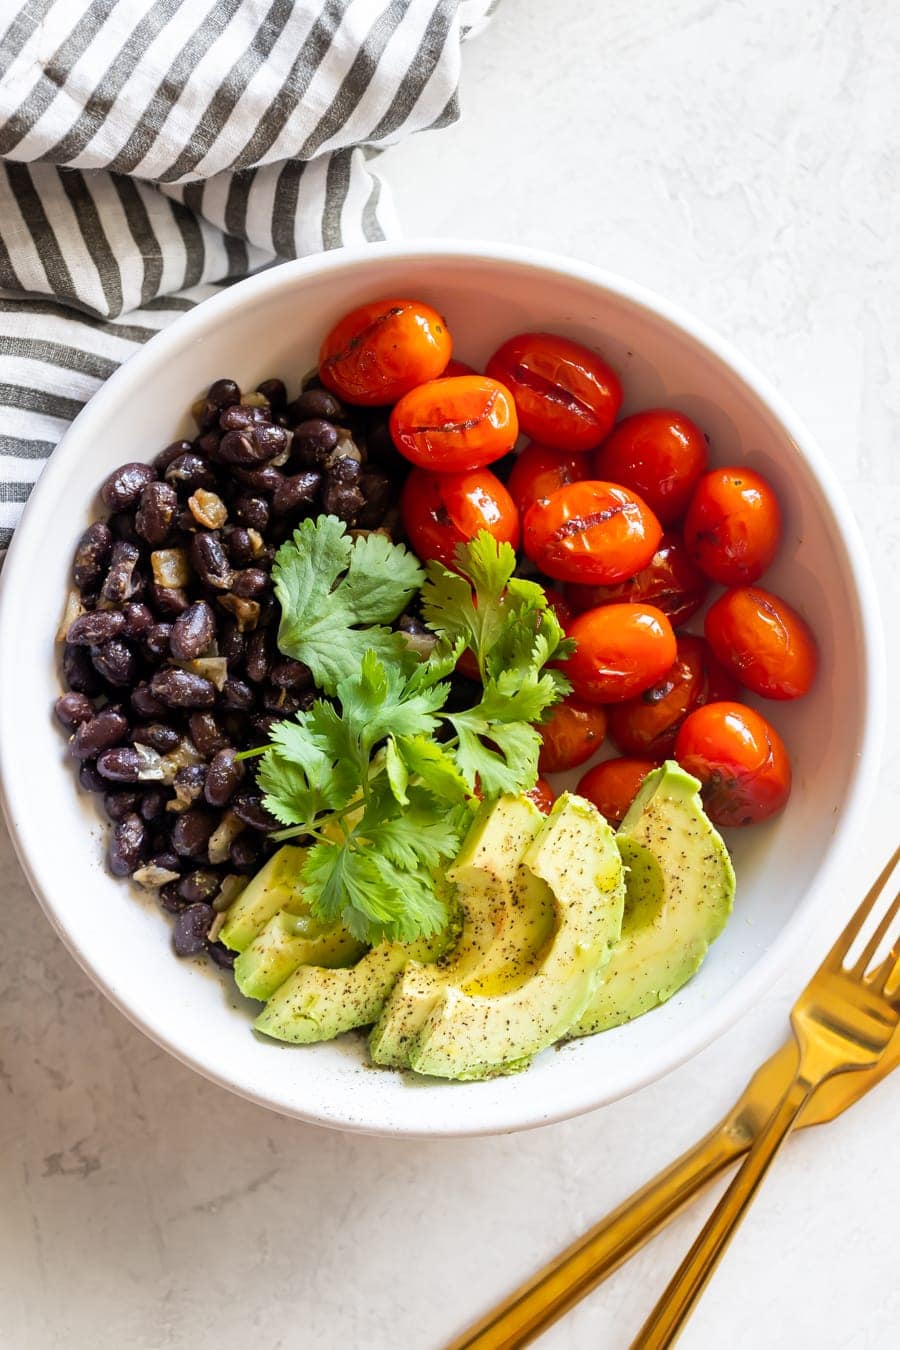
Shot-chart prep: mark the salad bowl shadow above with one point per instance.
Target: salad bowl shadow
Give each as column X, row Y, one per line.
column 269, row 325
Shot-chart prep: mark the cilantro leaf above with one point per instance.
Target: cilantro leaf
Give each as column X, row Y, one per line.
column 374, row 897
column 435, row 766
column 503, row 758
column 328, row 585
column 418, row 837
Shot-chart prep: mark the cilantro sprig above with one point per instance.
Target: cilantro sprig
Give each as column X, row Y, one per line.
column 381, row 777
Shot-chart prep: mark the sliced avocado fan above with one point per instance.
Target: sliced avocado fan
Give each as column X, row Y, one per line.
column 472, row 1034
column 679, row 894
column 507, row 916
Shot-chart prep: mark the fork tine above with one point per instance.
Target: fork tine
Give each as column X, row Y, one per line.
column 883, row 975
column 861, row 966
column 835, row 958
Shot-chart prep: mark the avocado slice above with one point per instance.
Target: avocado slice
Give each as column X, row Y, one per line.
column 275, row 886
column 507, row 918
column 680, row 892
column 286, row 942
column 316, row 1003
column 470, row 1034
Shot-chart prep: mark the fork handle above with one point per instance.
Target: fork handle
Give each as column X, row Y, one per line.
column 668, row 1318
column 537, row 1303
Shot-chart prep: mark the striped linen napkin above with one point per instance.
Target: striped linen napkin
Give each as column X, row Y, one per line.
column 152, row 151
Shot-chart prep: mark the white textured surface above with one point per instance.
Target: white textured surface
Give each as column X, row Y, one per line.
column 744, row 160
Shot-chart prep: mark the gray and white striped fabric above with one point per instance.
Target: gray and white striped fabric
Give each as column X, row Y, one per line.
column 152, row 151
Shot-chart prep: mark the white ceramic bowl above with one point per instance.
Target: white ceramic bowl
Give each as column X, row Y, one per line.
column 272, row 325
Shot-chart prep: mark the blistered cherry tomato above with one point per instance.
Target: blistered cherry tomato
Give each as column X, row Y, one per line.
column 622, row 650
column 566, row 395
column 739, row 758
column 542, row 795
column 733, row 525
column 659, row 454
column 441, row 510
column 763, row 642
column 380, row 351
column 648, row 724
column 539, row 472
column 613, row 785
column 450, row 425
column 455, row 367
column 572, row 733
column 591, row 532
column 670, row 581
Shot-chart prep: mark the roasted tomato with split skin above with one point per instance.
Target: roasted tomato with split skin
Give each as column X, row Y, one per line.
column 613, row 785
column 542, row 795
column 763, row 642
column 648, row 724
column 539, row 472
column 380, row 351
column 451, row 425
column 733, row 526
column 621, row 651
column 670, row 581
column 591, row 532
column 566, row 395
column 659, row 454
column 739, row 758
column 442, row 510
column 572, row 733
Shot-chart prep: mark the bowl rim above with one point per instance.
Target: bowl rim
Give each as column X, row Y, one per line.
column 726, row 1011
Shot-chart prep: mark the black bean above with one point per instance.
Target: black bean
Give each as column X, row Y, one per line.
column 315, row 404
column 244, row 852
column 123, row 487
column 251, row 510
column 73, row 709
column 295, row 492
column 190, row 781
column 193, row 631
column 191, row 928
column 211, row 561
column 261, row 725
column 313, row 442
column 90, row 629
column 199, row 887
column 128, row 846
column 232, row 643
column 138, row 619
column 165, row 457
column 239, row 545
column 145, row 703
column 378, row 492
column 275, row 392
column 190, row 471
column 241, row 418
column 223, row 393
column 269, row 611
column 223, row 778
column 237, row 696
column 169, row 601
column 156, row 643
column 156, row 512
column 152, row 805
column 247, row 806
column 206, row 734
column 168, row 860
column 264, row 479
column 89, row 778
column 182, row 689
column 247, row 447
column 291, row 675
column 120, row 584
column 169, row 898
column 250, row 583
column 345, row 469
column 91, row 556
column 341, row 500
column 277, row 699
column 105, row 729
column 258, row 656
column 157, row 735
column 116, row 662
column 208, row 444
column 79, row 671
column 191, row 832
column 120, row 765
column 118, row 805
column 221, row 955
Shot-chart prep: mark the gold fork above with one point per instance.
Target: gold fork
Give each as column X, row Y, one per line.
column 842, row 1022
column 552, row 1291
